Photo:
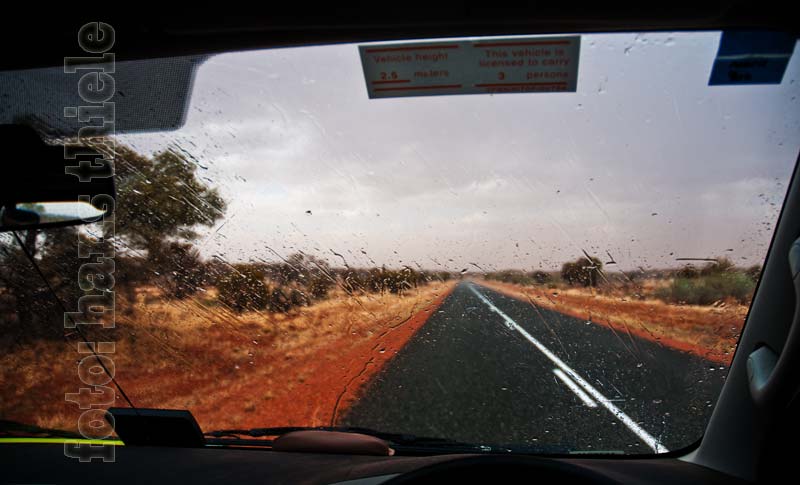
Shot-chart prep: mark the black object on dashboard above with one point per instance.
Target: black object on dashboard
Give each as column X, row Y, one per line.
column 156, row 427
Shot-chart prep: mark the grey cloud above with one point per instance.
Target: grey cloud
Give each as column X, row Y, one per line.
column 466, row 178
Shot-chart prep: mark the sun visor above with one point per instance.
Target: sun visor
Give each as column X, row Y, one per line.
column 148, row 95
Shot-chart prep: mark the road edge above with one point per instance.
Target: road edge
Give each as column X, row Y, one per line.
column 709, row 355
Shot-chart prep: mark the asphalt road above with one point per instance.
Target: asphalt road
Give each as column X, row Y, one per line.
column 490, row 369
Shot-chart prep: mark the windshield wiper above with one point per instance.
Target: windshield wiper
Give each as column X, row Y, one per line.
column 399, row 441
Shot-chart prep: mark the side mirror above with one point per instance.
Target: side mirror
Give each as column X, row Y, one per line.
column 41, row 188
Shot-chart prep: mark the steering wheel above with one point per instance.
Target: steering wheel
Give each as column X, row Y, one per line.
column 501, row 469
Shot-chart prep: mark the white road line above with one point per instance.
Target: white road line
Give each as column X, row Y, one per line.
column 574, row 388
column 605, row 402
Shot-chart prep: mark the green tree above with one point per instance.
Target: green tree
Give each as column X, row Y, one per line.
column 161, row 198
column 160, row 202
column 310, row 275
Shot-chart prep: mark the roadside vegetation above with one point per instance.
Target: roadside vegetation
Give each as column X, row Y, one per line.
column 698, row 309
column 718, row 281
column 284, row 341
column 162, row 203
column 300, row 280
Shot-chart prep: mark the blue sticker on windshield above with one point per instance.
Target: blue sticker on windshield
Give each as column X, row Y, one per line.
column 752, row 58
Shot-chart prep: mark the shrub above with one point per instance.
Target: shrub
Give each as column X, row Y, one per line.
column 541, row 278
column 687, row 272
column 753, row 272
column 513, row 276
column 354, row 281
column 386, row 280
column 721, row 265
column 243, row 288
column 706, row 290
column 398, row 282
column 319, row 285
column 279, row 301
column 519, row 277
column 375, row 281
column 582, row 272
column 311, row 275
column 298, row 298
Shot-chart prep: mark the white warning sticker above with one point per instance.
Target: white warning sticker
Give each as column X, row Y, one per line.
column 517, row 65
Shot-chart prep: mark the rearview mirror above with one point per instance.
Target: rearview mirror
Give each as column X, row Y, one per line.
column 41, row 187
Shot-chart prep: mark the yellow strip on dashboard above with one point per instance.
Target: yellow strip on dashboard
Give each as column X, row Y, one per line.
column 62, row 440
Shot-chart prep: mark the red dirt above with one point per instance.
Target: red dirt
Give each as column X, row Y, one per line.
column 654, row 328
column 303, row 375
column 327, row 382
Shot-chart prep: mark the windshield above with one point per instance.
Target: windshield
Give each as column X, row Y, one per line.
column 555, row 264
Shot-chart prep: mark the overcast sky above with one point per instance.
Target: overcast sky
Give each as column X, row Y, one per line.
column 646, row 161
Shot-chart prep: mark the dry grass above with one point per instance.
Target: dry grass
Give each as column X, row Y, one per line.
column 707, row 331
column 253, row 369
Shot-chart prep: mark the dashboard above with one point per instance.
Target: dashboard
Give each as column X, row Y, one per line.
column 45, row 463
